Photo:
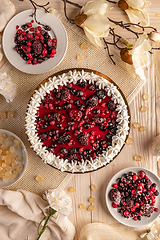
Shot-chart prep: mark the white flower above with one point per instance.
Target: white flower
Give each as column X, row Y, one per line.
column 58, row 200
column 154, row 36
column 140, row 56
column 7, row 87
column 135, row 9
column 96, row 25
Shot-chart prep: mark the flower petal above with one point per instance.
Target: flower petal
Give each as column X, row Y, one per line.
column 93, row 7
column 138, row 16
column 138, row 69
column 97, row 23
column 137, row 4
column 95, row 40
column 141, row 46
column 154, row 36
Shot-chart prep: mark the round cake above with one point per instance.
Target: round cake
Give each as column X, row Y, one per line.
column 77, row 121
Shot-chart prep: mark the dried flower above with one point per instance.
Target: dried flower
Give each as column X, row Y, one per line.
column 135, row 9
column 7, row 87
column 93, row 19
column 140, row 56
column 58, row 202
column 150, row 234
column 154, row 36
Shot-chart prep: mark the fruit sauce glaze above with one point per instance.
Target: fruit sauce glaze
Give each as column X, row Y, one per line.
column 134, row 195
column 77, row 122
column 34, row 44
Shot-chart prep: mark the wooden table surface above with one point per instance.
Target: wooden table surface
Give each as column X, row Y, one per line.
column 142, row 141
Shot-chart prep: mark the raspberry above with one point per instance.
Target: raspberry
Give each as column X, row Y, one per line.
column 115, row 196
column 146, row 210
column 92, row 101
column 29, row 36
column 65, row 94
column 101, row 94
column 63, row 138
column 76, row 115
column 37, row 47
column 115, row 185
column 83, row 139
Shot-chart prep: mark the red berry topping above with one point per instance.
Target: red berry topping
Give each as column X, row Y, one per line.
column 29, row 25
column 115, row 185
column 76, row 115
column 126, row 213
column 135, row 177
column 114, row 205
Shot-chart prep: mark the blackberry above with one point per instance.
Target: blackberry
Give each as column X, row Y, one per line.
column 97, row 120
column 71, row 123
column 101, row 94
column 83, row 139
column 55, row 117
column 92, row 101
column 37, row 47
column 64, row 151
column 146, row 210
column 111, row 105
column 92, row 87
column 67, row 129
column 72, row 157
column 65, row 94
column 55, row 131
column 63, row 138
column 72, row 150
column 82, row 83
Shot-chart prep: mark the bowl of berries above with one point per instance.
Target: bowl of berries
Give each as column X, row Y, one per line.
column 132, row 196
column 34, row 48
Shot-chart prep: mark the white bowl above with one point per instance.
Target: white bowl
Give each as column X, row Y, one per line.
column 58, row 31
column 21, row 152
column 130, row 222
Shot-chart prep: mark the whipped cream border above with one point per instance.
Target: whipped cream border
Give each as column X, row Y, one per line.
column 117, row 141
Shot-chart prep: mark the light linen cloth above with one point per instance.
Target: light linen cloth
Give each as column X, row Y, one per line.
column 7, row 10
column 102, row 231
column 22, row 211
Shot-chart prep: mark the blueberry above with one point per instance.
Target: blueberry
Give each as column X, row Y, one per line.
column 86, row 125
column 59, row 125
column 79, row 93
column 96, row 111
column 76, row 102
column 72, row 91
column 58, row 107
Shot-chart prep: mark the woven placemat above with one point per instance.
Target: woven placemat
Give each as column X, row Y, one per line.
column 95, row 59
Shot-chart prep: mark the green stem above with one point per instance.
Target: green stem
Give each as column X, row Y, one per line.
column 51, row 212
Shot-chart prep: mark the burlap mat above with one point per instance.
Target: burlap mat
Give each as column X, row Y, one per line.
column 95, row 59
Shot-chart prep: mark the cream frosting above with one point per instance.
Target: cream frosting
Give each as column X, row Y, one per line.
column 117, row 141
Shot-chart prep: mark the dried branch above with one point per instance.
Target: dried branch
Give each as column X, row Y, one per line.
column 110, row 55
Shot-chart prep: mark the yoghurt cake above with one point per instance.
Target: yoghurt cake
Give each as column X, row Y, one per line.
column 77, row 121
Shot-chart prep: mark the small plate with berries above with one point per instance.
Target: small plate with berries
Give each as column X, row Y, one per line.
column 35, row 48
column 132, row 196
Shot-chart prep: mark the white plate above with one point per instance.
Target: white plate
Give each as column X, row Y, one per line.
column 130, row 222
column 21, row 152
column 58, row 32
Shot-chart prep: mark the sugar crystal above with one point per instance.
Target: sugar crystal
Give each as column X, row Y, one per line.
column 39, row 179
column 81, row 206
column 93, row 187
column 129, row 141
column 10, row 114
column 2, row 115
column 92, row 200
column 136, row 125
column 72, row 189
column 137, row 158
column 145, row 97
column 91, row 208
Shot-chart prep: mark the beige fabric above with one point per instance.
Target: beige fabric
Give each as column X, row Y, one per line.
column 95, row 59
column 102, row 231
column 7, row 10
column 22, row 211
